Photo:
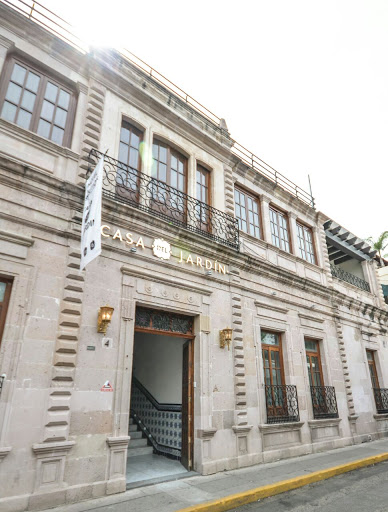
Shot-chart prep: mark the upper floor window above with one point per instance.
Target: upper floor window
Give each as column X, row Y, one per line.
column 202, row 184
column 247, row 212
column 305, row 241
column 36, row 102
column 279, row 229
column 372, row 368
column 169, row 166
column 127, row 177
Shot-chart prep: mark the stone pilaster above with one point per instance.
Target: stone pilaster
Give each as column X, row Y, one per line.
column 229, row 191
column 321, row 240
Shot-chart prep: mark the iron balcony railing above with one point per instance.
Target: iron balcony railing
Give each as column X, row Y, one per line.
column 349, row 278
column 129, row 186
column 282, row 404
column 381, row 398
column 324, row 402
column 53, row 23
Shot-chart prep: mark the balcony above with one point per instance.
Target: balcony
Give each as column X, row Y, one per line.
column 381, row 399
column 341, row 274
column 324, row 402
column 282, row 404
column 128, row 186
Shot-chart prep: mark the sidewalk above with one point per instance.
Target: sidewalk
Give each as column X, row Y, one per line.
column 197, row 490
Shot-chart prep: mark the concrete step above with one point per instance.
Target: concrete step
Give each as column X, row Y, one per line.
column 137, row 443
column 136, row 435
column 140, row 451
column 131, row 422
column 132, row 428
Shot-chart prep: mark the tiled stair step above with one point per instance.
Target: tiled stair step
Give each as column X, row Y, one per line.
column 131, row 422
column 140, row 451
column 132, row 428
column 137, row 443
column 138, row 434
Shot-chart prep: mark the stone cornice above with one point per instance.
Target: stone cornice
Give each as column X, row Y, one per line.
column 326, row 422
column 280, row 427
column 266, row 305
column 52, row 448
column 241, row 429
column 118, row 442
column 206, row 433
column 16, row 238
column 4, row 451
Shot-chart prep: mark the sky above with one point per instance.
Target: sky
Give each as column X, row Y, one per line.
column 302, row 84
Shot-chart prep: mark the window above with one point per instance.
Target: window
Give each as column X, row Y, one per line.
column 37, row 103
column 5, row 293
column 279, row 229
column 273, row 372
column 127, row 177
column 247, row 213
column 202, row 211
column 372, row 369
column 314, row 367
column 305, row 241
column 169, row 167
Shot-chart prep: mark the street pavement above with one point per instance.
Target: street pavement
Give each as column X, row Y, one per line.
column 179, row 494
column 362, row 490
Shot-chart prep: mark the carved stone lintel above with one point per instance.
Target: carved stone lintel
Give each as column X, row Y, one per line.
column 206, row 433
column 52, row 449
column 241, row 429
column 4, row 451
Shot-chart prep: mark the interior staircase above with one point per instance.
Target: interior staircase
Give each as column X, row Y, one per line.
column 138, row 444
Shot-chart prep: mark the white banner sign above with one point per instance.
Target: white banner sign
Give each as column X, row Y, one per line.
column 91, row 218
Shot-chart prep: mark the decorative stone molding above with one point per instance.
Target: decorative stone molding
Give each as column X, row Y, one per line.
column 117, row 463
column 50, row 464
column 66, row 349
column 206, row 433
column 92, row 126
column 4, row 451
column 229, row 191
column 241, row 429
column 14, row 244
column 280, row 427
column 324, row 428
column 281, row 435
column 345, row 370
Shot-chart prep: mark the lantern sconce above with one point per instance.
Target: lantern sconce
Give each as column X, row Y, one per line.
column 104, row 317
column 226, row 337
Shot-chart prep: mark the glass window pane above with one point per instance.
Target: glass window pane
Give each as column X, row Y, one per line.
column 44, row 128
column 311, row 346
column 124, row 135
column 155, row 148
column 180, row 167
column 28, row 101
column 8, row 112
column 47, row 110
column 13, row 93
column 163, row 154
column 60, row 117
column 18, row 74
column 369, row 355
column 51, row 92
column 135, row 140
column 24, row 119
column 133, row 158
column 162, row 172
column 32, row 82
column 123, row 153
column 174, row 178
column 174, row 162
column 57, row 135
column 180, row 183
column 64, row 99
column 2, row 291
column 269, row 338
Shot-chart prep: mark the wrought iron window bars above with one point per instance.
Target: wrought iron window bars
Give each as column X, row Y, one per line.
column 282, row 404
column 324, row 402
column 349, row 278
column 129, row 186
column 381, row 399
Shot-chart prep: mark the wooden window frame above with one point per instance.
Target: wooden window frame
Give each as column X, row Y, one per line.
column 253, row 198
column 317, row 354
column 203, row 217
column 171, row 151
column 5, row 304
column 45, row 77
column 304, row 240
column 284, row 215
column 372, row 364
column 128, row 178
column 279, row 349
column 137, row 131
column 207, row 173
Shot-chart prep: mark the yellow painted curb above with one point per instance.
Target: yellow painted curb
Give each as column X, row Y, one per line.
column 242, row 498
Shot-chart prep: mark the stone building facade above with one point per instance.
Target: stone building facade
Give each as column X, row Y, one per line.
column 218, row 242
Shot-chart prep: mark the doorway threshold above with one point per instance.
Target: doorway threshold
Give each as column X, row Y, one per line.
column 160, row 480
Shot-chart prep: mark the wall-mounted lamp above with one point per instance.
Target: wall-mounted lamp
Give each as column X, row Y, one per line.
column 104, row 317
column 226, row 337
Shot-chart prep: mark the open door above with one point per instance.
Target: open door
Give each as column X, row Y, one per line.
column 187, row 405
